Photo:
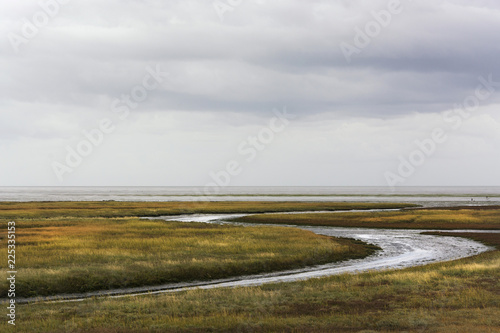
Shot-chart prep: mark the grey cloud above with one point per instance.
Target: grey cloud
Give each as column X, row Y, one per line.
column 105, row 53
column 264, row 55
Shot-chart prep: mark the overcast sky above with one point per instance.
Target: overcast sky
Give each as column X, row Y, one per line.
column 188, row 92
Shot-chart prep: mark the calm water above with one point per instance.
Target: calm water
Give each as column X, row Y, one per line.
column 428, row 196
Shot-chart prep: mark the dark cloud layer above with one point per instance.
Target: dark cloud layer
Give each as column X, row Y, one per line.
column 272, row 51
column 262, row 55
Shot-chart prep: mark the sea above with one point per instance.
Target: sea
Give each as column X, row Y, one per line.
column 426, row 196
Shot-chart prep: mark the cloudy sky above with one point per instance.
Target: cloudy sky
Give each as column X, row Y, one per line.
column 250, row 92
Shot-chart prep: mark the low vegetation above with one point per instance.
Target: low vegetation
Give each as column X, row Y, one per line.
column 465, row 218
column 459, row 296
column 32, row 210
column 81, row 255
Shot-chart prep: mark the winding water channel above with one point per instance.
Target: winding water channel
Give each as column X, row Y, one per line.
column 400, row 248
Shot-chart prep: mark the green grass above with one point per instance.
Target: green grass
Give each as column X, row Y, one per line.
column 33, row 210
column 472, row 218
column 458, row 296
column 69, row 247
column 80, row 255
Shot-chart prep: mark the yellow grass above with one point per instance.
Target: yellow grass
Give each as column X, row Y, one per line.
column 432, row 298
column 457, row 296
column 410, row 219
column 81, row 255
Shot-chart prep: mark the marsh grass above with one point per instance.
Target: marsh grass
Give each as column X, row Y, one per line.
column 79, row 255
column 408, row 219
column 31, row 210
column 457, row 296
